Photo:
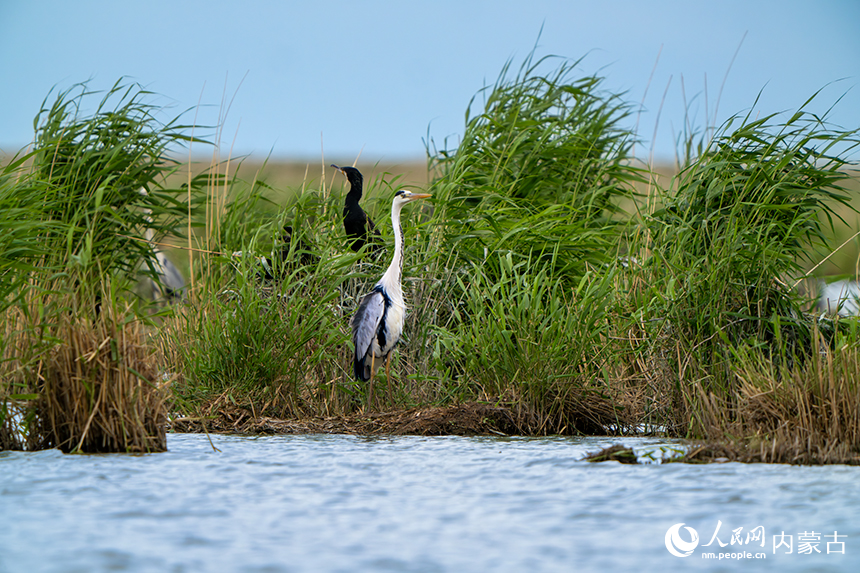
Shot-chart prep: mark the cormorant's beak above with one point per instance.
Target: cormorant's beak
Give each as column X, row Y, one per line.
column 338, row 168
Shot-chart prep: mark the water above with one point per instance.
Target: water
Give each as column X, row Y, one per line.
column 342, row 503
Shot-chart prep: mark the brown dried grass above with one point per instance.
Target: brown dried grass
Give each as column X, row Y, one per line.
column 804, row 413
column 808, row 415
column 468, row 419
column 98, row 390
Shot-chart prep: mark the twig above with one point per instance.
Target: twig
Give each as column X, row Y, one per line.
column 156, row 243
column 810, row 271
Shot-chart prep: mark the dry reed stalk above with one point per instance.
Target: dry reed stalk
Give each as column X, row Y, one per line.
column 99, row 390
column 17, row 356
column 805, row 415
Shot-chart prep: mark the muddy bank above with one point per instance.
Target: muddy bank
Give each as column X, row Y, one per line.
column 480, row 419
column 469, row 419
column 774, row 452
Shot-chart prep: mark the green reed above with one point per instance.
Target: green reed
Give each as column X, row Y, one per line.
column 76, row 209
column 537, row 277
column 728, row 243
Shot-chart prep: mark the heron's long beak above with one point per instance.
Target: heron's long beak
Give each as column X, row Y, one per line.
column 419, row 195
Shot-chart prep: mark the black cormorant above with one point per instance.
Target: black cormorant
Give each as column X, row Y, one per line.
column 358, row 226
column 279, row 263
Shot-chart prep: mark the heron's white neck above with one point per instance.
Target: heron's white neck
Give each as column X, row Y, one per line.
column 148, row 233
column 391, row 279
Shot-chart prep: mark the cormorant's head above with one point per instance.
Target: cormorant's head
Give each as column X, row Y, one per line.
column 353, row 175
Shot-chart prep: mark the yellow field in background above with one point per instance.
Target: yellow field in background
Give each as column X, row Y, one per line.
column 286, row 177
column 291, row 175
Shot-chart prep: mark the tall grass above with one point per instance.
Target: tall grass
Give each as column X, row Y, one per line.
column 809, row 414
column 95, row 167
column 726, row 246
column 528, row 211
column 538, row 279
column 76, row 365
column 540, row 172
column 525, row 340
column 267, row 347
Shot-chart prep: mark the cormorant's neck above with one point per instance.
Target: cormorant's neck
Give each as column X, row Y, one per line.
column 354, row 192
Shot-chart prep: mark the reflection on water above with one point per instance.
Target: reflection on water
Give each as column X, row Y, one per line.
column 343, row 503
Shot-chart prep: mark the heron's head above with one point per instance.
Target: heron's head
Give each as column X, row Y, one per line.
column 403, row 196
column 353, row 175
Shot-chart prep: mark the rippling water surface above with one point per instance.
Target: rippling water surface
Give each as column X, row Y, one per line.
column 343, row 503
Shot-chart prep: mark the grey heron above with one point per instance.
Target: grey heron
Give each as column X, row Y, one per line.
column 841, row 297
column 167, row 282
column 378, row 322
column 170, row 284
column 358, row 226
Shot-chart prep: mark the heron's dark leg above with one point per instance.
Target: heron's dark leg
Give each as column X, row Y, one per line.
column 370, row 382
column 388, row 375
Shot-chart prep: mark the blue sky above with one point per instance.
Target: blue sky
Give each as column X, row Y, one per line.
column 376, row 77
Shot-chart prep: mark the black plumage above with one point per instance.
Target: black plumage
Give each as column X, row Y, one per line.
column 281, row 262
column 306, row 256
column 359, row 228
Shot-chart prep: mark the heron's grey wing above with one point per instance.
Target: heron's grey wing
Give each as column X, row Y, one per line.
column 170, row 277
column 170, row 280
column 366, row 321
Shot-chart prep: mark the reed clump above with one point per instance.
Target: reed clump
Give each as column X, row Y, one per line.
column 809, row 414
column 83, row 385
column 722, row 250
column 78, row 371
column 100, row 390
column 554, row 287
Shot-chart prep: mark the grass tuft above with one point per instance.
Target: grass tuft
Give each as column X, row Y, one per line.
column 553, row 287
